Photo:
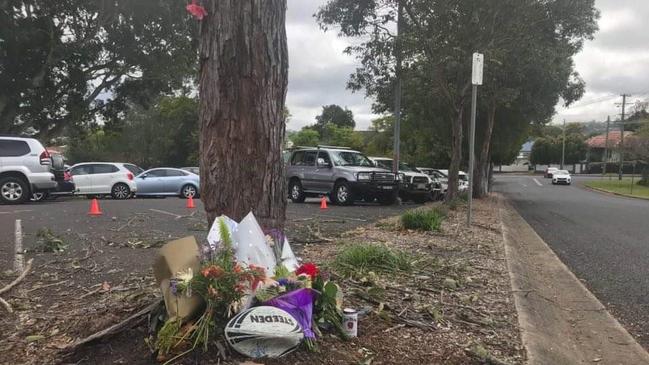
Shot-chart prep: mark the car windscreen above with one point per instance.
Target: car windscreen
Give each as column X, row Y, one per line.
column 405, row 167
column 561, row 172
column 348, row 158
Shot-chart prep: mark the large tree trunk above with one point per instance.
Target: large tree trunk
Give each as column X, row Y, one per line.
column 481, row 168
column 456, row 154
column 243, row 80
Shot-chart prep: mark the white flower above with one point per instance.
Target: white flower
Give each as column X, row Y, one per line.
column 270, row 241
column 185, row 276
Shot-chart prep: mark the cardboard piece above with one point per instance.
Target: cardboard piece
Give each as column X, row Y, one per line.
column 173, row 257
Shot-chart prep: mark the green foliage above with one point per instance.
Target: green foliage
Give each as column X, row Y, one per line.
column 335, row 115
column 330, row 135
column 423, row 219
column 164, row 135
column 49, row 242
column 305, row 137
column 355, row 260
column 67, row 63
column 547, row 151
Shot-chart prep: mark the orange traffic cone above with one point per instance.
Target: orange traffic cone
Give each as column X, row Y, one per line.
column 190, row 202
column 94, row 208
column 323, row 203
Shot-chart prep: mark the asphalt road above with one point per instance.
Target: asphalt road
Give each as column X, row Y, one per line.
column 128, row 227
column 603, row 239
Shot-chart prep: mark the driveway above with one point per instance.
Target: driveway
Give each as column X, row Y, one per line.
column 603, row 239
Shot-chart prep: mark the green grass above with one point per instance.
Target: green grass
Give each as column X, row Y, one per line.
column 423, row 219
column 356, row 260
column 625, row 187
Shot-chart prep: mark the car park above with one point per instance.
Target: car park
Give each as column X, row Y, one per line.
column 415, row 185
column 463, row 179
column 341, row 173
column 105, row 178
column 167, row 181
column 24, row 169
column 65, row 186
column 550, row 171
column 438, row 176
column 561, row 177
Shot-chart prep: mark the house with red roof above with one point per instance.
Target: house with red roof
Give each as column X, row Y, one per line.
column 597, row 146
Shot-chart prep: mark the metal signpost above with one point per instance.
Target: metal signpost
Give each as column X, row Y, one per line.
column 476, row 80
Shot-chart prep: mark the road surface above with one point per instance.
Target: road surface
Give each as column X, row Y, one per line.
column 603, row 239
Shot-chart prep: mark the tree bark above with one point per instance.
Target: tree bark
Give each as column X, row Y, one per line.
column 243, row 81
column 481, row 169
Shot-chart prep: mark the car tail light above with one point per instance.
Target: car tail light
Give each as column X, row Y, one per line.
column 46, row 158
column 129, row 176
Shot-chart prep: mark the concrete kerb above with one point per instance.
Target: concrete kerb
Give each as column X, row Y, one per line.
column 561, row 321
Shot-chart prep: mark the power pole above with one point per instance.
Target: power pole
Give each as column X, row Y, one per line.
column 621, row 146
column 605, row 159
column 563, row 147
column 397, row 94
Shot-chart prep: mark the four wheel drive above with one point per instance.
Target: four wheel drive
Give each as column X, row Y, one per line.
column 342, row 174
column 24, row 169
column 549, row 172
column 415, row 185
column 104, row 178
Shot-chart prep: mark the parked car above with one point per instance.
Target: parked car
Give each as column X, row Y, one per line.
column 105, row 178
column 463, row 179
column 24, row 169
column 193, row 169
column 561, row 177
column 415, row 186
column 167, row 181
column 64, row 185
column 436, row 175
column 341, row 173
column 550, row 171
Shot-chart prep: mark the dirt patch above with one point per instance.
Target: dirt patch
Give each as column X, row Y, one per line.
column 454, row 307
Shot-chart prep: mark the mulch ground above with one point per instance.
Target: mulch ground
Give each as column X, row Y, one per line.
column 455, row 307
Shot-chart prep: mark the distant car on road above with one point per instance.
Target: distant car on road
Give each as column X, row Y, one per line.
column 24, row 169
column 166, row 181
column 549, row 171
column 105, row 178
column 561, row 177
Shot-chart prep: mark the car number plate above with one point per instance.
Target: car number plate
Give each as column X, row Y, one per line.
column 386, row 187
column 421, row 186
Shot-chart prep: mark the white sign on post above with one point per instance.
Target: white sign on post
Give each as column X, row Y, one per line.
column 478, row 64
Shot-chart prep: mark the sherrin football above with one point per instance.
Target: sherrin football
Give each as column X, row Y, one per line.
column 264, row 332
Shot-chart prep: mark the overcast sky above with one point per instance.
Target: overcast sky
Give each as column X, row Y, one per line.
column 616, row 62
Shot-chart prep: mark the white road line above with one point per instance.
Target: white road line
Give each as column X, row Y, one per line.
column 17, row 211
column 537, row 182
column 167, row 213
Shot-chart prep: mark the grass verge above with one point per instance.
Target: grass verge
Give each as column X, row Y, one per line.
column 424, row 219
column 624, row 187
column 356, row 260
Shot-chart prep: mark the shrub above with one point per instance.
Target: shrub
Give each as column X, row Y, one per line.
column 423, row 220
column 354, row 260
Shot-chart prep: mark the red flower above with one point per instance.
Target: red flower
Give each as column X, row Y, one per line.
column 196, row 10
column 212, row 271
column 308, row 268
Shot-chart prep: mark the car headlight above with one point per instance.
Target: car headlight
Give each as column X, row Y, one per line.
column 401, row 177
column 364, row 176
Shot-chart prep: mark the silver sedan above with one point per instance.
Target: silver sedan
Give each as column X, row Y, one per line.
column 167, row 181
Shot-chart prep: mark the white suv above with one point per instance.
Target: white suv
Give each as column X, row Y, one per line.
column 24, row 169
column 105, row 178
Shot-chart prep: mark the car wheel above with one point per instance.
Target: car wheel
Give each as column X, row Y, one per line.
column 388, row 199
column 187, row 191
column 343, row 194
column 13, row 190
column 296, row 192
column 40, row 196
column 120, row 191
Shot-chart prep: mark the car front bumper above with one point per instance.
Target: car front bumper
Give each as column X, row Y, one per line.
column 373, row 188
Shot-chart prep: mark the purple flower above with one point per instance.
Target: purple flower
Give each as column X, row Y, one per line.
column 173, row 285
column 283, row 281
